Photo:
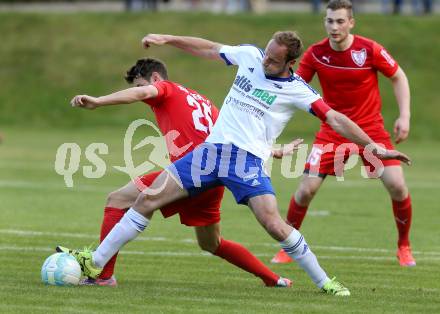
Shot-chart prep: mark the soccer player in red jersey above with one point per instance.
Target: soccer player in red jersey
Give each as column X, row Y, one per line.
column 347, row 67
column 191, row 115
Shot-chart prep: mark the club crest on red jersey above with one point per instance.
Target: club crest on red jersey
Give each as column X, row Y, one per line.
column 359, row 57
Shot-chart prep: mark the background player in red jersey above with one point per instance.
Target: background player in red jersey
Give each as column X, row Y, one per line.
column 347, row 67
column 192, row 115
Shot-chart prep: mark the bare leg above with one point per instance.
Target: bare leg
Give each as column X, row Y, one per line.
column 166, row 190
column 117, row 204
column 210, row 240
column 300, row 202
column 123, row 197
column 266, row 211
column 394, row 181
column 208, row 237
column 307, row 189
column 163, row 191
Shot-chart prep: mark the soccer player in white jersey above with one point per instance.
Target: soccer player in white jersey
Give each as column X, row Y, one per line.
column 263, row 98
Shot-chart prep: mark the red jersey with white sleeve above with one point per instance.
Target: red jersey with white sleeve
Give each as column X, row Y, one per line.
column 184, row 117
column 349, row 82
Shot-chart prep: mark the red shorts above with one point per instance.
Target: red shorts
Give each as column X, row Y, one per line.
column 329, row 158
column 200, row 210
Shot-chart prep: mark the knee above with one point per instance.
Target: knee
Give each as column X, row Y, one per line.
column 210, row 246
column 305, row 194
column 276, row 229
column 112, row 198
column 145, row 205
column 119, row 199
column 398, row 190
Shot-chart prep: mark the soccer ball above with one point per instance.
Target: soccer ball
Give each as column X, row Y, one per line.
column 61, row 269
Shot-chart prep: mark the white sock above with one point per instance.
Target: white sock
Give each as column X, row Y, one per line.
column 296, row 247
column 128, row 228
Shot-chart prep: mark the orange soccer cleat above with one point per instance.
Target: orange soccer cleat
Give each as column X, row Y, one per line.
column 405, row 256
column 281, row 258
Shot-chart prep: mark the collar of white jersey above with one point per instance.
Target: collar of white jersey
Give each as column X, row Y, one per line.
column 281, row 79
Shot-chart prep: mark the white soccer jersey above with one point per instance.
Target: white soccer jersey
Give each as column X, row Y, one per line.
column 257, row 107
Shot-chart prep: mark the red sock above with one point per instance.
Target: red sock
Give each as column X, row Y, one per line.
column 111, row 218
column 238, row 255
column 402, row 215
column 296, row 213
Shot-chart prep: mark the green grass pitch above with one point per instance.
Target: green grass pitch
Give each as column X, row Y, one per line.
column 45, row 59
column 350, row 228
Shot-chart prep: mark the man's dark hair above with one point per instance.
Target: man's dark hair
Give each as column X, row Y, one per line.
column 292, row 41
column 144, row 68
column 341, row 4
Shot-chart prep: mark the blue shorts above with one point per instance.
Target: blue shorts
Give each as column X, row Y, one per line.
column 211, row 165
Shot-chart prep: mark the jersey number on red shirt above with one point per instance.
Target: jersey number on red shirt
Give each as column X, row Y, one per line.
column 202, row 116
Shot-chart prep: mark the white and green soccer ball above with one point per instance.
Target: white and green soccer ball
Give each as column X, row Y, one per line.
column 61, row 269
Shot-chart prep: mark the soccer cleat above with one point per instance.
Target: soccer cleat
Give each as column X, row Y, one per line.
column 110, row 282
column 281, row 283
column 84, row 258
column 284, row 283
column 405, row 256
column 281, row 258
column 336, row 288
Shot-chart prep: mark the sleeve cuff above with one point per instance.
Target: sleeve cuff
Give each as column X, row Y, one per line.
column 223, row 56
column 319, row 108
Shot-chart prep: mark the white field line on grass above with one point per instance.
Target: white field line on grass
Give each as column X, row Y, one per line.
column 52, row 185
column 29, row 233
column 27, row 249
column 56, row 186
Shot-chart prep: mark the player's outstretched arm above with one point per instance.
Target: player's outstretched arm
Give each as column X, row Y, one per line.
column 402, row 93
column 287, row 149
column 126, row 96
column 350, row 130
column 196, row 46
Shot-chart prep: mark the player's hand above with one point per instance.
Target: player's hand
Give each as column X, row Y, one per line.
column 401, row 129
column 154, row 39
column 386, row 154
column 287, row 149
column 84, row 101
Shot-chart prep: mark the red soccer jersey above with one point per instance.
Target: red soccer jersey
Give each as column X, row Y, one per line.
column 349, row 80
column 184, row 116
